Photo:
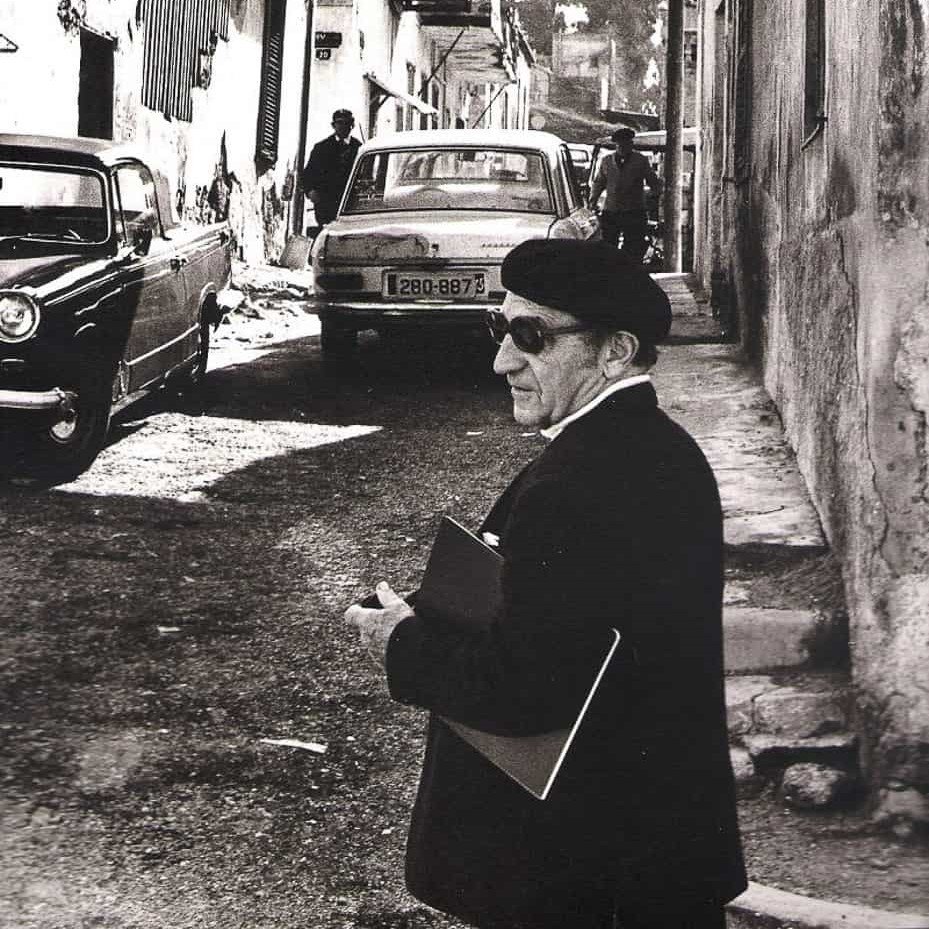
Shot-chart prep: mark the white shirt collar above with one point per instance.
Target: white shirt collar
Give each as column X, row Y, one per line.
column 554, row 431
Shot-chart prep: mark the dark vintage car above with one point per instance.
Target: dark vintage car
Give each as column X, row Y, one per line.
column 103, row 295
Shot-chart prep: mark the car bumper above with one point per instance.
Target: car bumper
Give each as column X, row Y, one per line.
column 375, row 313
column 36, row 401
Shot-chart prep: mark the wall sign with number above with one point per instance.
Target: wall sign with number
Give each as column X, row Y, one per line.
column 323, row 54
column 328, row 39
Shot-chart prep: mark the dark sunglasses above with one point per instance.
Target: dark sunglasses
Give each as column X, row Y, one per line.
column 529, row 333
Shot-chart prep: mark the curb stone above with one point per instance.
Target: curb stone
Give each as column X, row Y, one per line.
column 762, row 907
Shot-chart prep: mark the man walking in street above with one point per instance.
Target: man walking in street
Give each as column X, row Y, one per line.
column 624, row 175
column 616, row 524
column 330, row 163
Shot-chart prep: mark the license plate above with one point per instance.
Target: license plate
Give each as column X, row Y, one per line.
column 435, row 285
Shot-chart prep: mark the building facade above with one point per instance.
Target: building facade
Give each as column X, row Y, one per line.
column 228, row 96
column 815, row 219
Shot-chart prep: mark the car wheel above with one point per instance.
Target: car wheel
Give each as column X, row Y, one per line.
column 68, row 446
column 336, row 340
column 197, row 372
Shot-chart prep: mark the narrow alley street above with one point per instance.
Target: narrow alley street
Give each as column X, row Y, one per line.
column 194, row 740
column 206, row 456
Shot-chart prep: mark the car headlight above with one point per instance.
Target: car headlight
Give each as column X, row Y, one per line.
column 19, row 316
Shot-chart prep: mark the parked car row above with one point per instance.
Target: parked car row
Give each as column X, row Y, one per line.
column 104, row 296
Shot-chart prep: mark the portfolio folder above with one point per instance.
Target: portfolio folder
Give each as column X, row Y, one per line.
column 461, row 584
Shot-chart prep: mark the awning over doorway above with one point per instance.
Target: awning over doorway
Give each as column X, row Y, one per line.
column 392, row 91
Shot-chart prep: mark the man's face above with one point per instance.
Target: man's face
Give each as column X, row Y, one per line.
column 342, row 127
column 624, row 146
column 560, row 379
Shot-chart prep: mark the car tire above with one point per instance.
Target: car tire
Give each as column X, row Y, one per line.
column 196, row 373
column 336, row 340
column 63, row 450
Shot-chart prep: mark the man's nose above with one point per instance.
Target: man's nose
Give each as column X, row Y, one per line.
column 508, row 358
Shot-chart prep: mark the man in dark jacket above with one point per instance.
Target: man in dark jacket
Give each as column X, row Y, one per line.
column 326, row 173
column 616, row 524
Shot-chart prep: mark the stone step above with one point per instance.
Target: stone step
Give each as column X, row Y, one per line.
column 793, row 731
column 758, row 639
column 763, row 907
column 716, row 396
column 802, row 707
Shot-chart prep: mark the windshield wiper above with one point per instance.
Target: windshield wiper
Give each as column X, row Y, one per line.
column 37, row 237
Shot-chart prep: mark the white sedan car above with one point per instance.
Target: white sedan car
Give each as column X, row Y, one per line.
column 426, row 220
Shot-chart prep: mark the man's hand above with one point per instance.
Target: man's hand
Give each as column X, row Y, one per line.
column 375, row 626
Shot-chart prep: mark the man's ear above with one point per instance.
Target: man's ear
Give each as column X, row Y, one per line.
column 619, row 350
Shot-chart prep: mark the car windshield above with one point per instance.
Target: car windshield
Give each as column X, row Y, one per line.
column 450, row 179
column 51, row 203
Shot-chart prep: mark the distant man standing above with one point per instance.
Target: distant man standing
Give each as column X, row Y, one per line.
column 624, row 175
column 327, row 171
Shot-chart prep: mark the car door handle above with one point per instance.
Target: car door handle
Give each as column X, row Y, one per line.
column 177, row 263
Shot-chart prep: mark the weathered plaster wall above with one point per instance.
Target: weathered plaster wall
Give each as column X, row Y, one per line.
column 214, row 152
column 832, row 271
column 39, row 81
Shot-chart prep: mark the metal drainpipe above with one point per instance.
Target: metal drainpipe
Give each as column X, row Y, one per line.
column 299, row 197
column 674, row 122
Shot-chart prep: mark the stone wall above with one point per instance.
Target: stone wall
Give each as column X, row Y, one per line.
column 826, row 246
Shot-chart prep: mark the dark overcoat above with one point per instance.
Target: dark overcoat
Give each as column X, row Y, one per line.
column 617, row 523
column 327, row 170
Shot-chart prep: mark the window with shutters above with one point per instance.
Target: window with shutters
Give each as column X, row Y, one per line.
column 269, row 104
column 411, row 90
column 425, row 121
column 436, row 101
column 180, row 35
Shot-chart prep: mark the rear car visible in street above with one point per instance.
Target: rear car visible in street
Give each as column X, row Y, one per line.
column 104, row 296
column 425, row 222
column 581, row 153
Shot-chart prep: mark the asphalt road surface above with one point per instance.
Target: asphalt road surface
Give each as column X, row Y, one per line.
column 181, row 603
column 190, row 736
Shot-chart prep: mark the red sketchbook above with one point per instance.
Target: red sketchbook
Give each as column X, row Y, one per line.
column 462, row 585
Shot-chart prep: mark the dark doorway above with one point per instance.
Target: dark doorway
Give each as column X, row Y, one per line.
column 95, row 93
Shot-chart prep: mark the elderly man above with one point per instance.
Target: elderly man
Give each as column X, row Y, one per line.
column 616, row 524
column 624, row 176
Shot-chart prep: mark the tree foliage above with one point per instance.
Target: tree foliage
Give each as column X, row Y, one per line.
column 539, row 20
column 630, row 22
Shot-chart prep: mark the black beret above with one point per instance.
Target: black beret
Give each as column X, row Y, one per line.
column 343, row 114
column 593, row 281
